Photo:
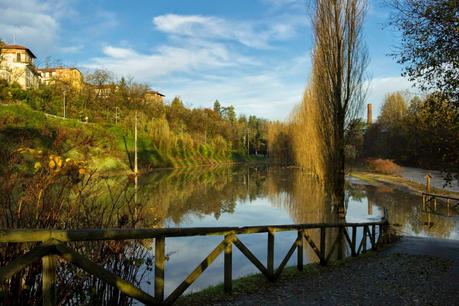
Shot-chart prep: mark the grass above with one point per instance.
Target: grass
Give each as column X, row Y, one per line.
column 104, row 147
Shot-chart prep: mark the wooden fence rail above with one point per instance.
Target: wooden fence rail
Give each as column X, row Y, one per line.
column 430, row 202
column 53, row 244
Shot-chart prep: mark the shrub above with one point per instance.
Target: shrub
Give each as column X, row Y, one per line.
column 384, row 166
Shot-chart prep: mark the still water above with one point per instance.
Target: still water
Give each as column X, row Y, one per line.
column 263, row 195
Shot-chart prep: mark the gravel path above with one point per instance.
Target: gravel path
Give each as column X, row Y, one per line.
column 405, row 274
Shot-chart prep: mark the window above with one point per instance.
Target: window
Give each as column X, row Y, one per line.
column 18, row 57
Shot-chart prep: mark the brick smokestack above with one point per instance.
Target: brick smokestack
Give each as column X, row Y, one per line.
column 370, row 114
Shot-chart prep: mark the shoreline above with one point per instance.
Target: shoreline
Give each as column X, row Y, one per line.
column 398, row 182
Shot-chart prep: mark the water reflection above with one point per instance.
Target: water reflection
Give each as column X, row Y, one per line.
column 231, row 196
column 266, row 195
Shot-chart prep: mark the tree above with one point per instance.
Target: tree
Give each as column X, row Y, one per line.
column 392, row 127
column 217, row 107
column 339, row 62
column 229, row 114
column 393, row 110
column 429, row 43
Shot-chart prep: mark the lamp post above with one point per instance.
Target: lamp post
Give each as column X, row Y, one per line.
column 64, row 101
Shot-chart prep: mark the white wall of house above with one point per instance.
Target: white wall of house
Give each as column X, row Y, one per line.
column 18, row 67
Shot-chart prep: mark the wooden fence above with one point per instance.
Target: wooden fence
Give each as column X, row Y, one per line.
column 53, row 243
column 430, row 203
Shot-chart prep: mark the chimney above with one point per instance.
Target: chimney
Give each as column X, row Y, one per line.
column 370, row 114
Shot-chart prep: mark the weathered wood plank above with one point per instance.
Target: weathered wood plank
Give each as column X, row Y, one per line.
column 228, row 264
column 373, row 237
column 30, row 235
column 92, row 268
column 354, row 239
column 300, row 256
column 270, row 257
column 313, row 245
column 160, row 251
column 49, row 263
column 335, row 243
column 340, row 242
column 349, row 241
column 285, row 260
column 196, row 273
column 238, row 243
column 25, row 260
column 323, row 245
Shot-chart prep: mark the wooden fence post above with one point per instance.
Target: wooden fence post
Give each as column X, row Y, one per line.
column 428, row 177
column 228, row 264
column 322, row 247
column 364, row 239
column 341, row 230
column 270, row 263
column 373, row 234
column 49, row 280
column 299, row 241
column 354, row 238
column 160, row 250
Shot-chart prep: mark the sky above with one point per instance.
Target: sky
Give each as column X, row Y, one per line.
column 252, row 54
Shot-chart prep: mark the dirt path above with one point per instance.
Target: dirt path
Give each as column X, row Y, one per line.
column 415, row 271
column 418, row 175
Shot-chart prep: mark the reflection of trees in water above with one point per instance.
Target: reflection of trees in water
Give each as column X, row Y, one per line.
column 405, row 210
column 174, row 196
column 305, row 199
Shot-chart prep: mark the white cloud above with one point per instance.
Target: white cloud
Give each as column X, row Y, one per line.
column 72, row 49
column 207, row 27
column 30, row 22
column 34, row 23
column 193, row 56
column 203, row 61
column 267, row 95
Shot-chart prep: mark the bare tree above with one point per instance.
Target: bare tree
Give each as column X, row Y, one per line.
column 339, row 61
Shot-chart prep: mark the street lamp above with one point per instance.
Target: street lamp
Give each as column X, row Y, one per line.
column 65, row 91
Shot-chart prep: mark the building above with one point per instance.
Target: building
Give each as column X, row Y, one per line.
column 17, row 65
column 67, row 75
column 152, row 96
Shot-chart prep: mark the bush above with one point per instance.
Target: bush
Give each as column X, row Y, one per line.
column 384, row 166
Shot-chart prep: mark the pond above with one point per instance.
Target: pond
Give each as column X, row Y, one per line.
column 266, row 195
column 211, row 196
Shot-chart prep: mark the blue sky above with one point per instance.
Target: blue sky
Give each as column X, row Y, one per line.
column 253, row 54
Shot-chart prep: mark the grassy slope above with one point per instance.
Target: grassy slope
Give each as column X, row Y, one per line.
column 102, row 146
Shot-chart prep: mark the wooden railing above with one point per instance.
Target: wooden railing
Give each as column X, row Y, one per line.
column 53, row 243
column 430, row 202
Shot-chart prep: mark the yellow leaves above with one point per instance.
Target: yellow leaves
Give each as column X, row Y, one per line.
column 52, row 163
column 37, row 166
column 55, row 162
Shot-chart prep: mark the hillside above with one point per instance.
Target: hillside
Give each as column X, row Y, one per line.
column 102, row 146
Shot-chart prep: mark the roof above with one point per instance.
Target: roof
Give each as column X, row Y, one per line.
column 18, row 47
column 49, row 69
column 155, row 93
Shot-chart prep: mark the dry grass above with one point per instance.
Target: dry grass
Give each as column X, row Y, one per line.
column 384, row 166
